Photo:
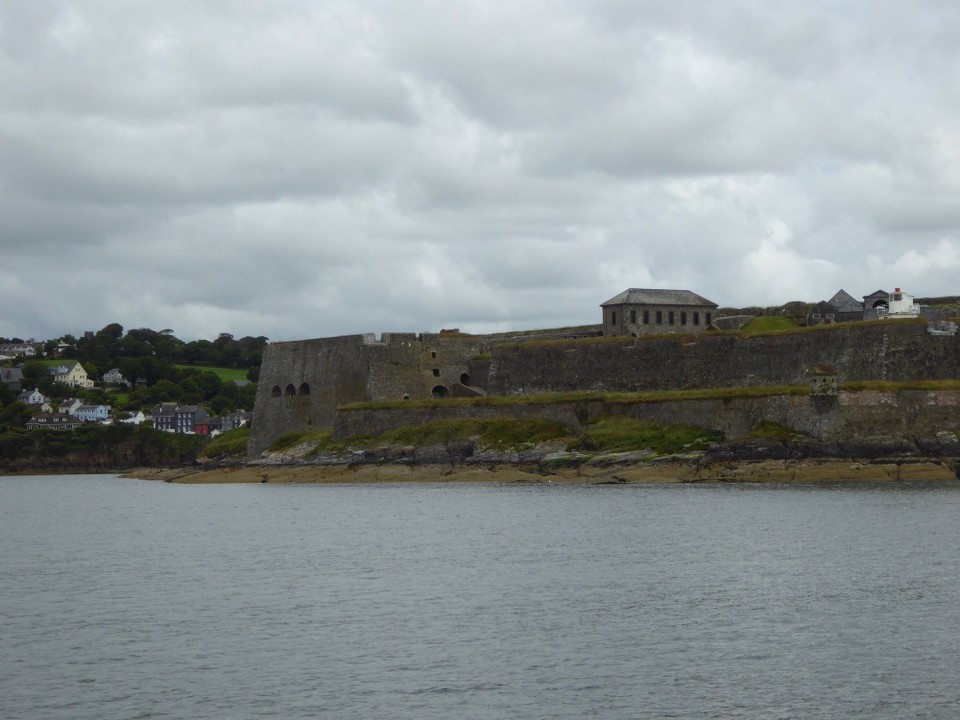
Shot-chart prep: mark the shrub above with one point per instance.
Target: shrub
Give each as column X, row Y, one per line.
column 617, row 433
column 232, row 443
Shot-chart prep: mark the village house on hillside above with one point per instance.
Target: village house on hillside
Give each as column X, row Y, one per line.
column 640, row 311
column 12, row 350
column 115, row 377
column 32, row 398
column 53, row 421
column 71, row 374
column 174, row 418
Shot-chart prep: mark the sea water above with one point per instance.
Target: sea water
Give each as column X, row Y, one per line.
column 131, row 599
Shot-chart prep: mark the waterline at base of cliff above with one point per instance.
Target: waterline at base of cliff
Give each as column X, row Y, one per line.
column 828, row 470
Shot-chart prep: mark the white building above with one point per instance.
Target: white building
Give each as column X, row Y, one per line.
column 899, row 305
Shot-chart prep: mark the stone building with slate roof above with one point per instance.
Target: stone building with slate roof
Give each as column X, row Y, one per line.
column 642, row 311
column 848, row 308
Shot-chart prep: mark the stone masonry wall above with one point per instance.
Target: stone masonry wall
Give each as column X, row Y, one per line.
column 302, row 383
column 904, row 414
column 326, row 373
column 894, row 350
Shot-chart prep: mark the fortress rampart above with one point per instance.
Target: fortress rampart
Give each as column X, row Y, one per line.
column 921, row 416
column 892, row 350
column 303, row 383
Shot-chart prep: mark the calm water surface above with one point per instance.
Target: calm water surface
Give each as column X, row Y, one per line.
column 132, row 599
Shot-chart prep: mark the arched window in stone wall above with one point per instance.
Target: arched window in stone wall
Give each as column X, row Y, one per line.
column 440, row 391
column 304, row 389
column 465, row 379
column 275, row 392
column 290, row 391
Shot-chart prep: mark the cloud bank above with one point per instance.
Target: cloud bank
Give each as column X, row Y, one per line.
column 299, row 169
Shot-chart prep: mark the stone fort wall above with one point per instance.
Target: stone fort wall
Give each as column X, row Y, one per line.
column 891, row 350
column 303, row 383
column 913, row 414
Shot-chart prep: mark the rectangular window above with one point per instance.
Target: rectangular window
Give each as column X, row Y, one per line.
column 696, row 318
column 613, row 318
column 670, row 317
column 683, row 318
column 633, row 317
column 659, row 317
column 709, row 318
column 646, row 317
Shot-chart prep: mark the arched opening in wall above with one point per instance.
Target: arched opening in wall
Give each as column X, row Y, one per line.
column 881, row 303
column 439, row 391
column 465, row 379
column 290, row 391
column 406, row 396
column 275, row 392
column 304, row 389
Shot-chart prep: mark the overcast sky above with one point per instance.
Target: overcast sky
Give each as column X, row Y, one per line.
column 303, row 169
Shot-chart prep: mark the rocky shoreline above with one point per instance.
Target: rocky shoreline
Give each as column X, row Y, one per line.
column 757, row 461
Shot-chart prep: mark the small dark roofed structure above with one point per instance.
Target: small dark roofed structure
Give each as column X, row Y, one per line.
column 848, row 308
column 645, row 311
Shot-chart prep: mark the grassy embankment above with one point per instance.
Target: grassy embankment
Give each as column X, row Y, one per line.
column 226, row 374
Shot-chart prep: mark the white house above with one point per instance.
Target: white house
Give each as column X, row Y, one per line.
column 135, row 419
column 93, row 413
column 32, row 397
column 899, row 305
column 69, row 406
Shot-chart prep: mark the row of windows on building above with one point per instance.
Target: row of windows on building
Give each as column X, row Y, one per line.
column 658, row 316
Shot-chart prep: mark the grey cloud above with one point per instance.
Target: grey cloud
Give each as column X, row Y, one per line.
column 292, row 169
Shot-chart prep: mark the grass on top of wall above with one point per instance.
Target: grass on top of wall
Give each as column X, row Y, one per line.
column 761, row 326
column 832, row 327
column 900, row 386
column 767, row 324
column 587, row 396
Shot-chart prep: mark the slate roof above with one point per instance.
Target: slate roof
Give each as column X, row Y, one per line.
column 10, row 375
column 845, row 302
column 647, row 296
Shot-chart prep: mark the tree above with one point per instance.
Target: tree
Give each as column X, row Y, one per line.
column 6, row 395
column 130, row 368
column 15, row 414
column 165, row 391
column 34, row 373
